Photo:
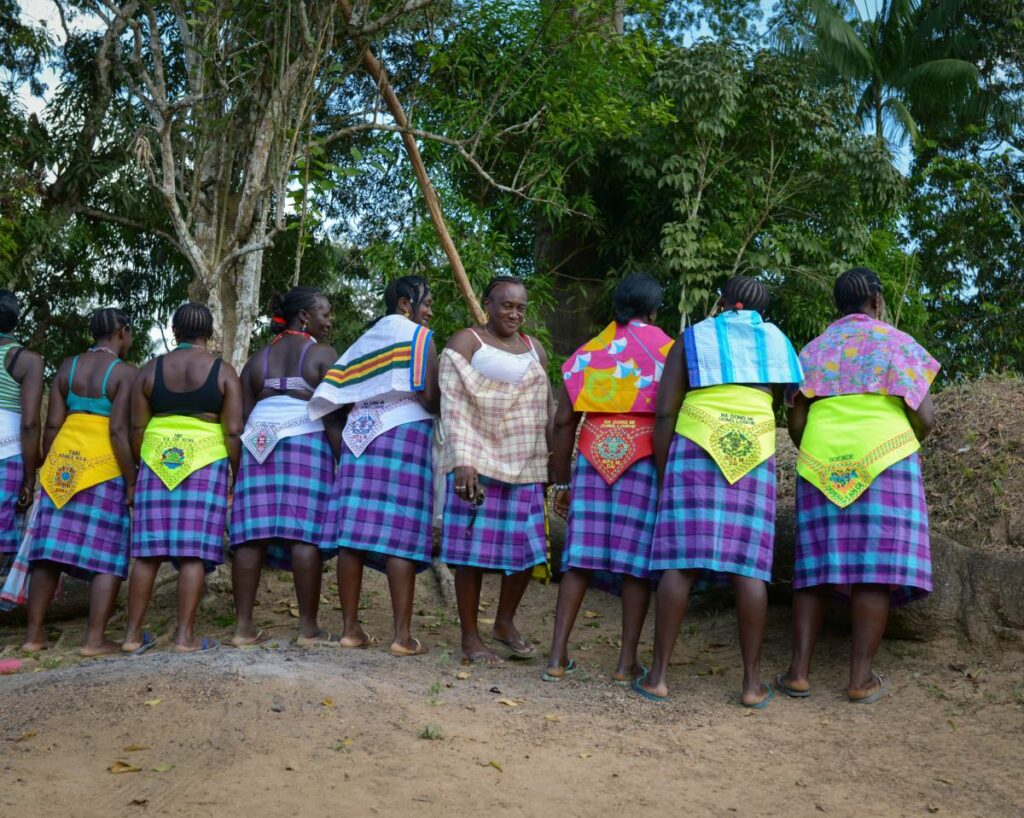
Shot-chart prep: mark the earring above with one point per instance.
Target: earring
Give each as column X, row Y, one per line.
column 305, row 324
column 405, row 313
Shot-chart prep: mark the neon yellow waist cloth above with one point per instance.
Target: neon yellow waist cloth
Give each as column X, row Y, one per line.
column 850, row 440
column 81, row 457
column 177, row 445
column 734, row 424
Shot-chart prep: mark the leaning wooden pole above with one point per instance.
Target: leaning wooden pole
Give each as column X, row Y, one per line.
column 380, row 75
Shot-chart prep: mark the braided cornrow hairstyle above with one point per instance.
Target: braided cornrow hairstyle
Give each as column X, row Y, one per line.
column 854, row 287
column 10, row 311
column 285, row 308
column 106, row 321
column 745, row 293
column 413, row 288
column 192, row 321
column 499, row 280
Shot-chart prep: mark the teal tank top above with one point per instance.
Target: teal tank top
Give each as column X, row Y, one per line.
column 100, row 405
column 10, row 389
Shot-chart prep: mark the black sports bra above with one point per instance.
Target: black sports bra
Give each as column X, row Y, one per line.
column 206, row 399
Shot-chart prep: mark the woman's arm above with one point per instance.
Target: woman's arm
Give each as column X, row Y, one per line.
column 57, row 411
column 140, row 410
column 249, row 391
column 430, row 397
column 564, row 439
column 28, row 371
column 923, row 419
column 122, row 382
column 231, row 415
column 796, row 418
column 671, row 390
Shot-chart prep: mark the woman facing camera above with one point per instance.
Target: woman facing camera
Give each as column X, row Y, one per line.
column 495, row 406
column 381, row 503
column 186, row 429
column 88, row 475
column 284, row 481
column 861, row 514
column 610, row 384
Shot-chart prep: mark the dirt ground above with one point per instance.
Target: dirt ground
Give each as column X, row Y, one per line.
column 285, row 731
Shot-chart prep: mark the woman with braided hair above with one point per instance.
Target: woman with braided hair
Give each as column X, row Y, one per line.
column 381, row 503
column 21, row 395
column 88, row 479
column 714, row 446
column 186, row 430
column 495, row 409
column 284, row 482
column 861, row 515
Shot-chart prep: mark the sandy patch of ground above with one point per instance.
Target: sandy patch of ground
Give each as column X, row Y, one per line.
column 285, row 731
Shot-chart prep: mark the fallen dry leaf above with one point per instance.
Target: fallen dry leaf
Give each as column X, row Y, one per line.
column 138, row 802
column 152, row 702
column 135, row 748
column 119, row 767
column 485, row 621
column 586, row 755
column 591, row 614
column 496, row 766
column 552, row 717
column 328, row 702
column 293, row 610
column 463, row 675
column 162, row 768
column 26, row 736
column 510, row 702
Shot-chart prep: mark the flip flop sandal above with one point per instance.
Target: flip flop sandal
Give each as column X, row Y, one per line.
column 368, row 642
column 319, row 641
column 204, row 645
column 792, row 692
column 557, row 674
column 262, row 637
column 515, row 646
column 625, row 681
column 148, row 641
column 403, row 652
column 761, row 705
column 879, row 692
column 485, row 658
column 651, row 697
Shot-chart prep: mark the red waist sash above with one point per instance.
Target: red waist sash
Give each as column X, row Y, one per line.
column 613, row 442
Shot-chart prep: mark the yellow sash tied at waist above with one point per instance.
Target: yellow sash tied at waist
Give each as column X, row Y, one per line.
column 177, row 445
column 850, row 440
column 81, row 457
column 733, row 424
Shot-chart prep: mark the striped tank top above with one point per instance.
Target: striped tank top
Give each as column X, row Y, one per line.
column 10, row 389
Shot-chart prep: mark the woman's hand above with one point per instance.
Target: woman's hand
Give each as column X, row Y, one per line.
column 562, row 500
column 25, row 494
column 467, row 482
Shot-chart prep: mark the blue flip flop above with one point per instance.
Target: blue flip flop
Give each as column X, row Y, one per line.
column 879, row 693
column 761, row 705
column 644, row 670
column 148, row 641
column 646, row 693
column 568, row 670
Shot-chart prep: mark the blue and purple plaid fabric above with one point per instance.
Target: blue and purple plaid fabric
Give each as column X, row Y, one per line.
column 881, row 538
column 88, row 536
column 11, row 473
column 187, row 523
column 611, row 527
column 704, row 523
column 285, row 499
column 382, row 502
column 508, row 533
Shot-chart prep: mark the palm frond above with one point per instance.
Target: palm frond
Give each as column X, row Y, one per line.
column 839, row 44
column 946, row 79
column 900, row 117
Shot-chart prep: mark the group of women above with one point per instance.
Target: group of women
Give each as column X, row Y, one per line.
column 660, row 454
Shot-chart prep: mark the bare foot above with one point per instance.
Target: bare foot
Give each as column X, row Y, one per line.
column 511, row 638
column 105, row 648
column 658, row 691
column 240, row 640
column 195, row 645
column 793, row 687
column 35, row 647
column 407, row 647
column 621, row 674
column 482, row 657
